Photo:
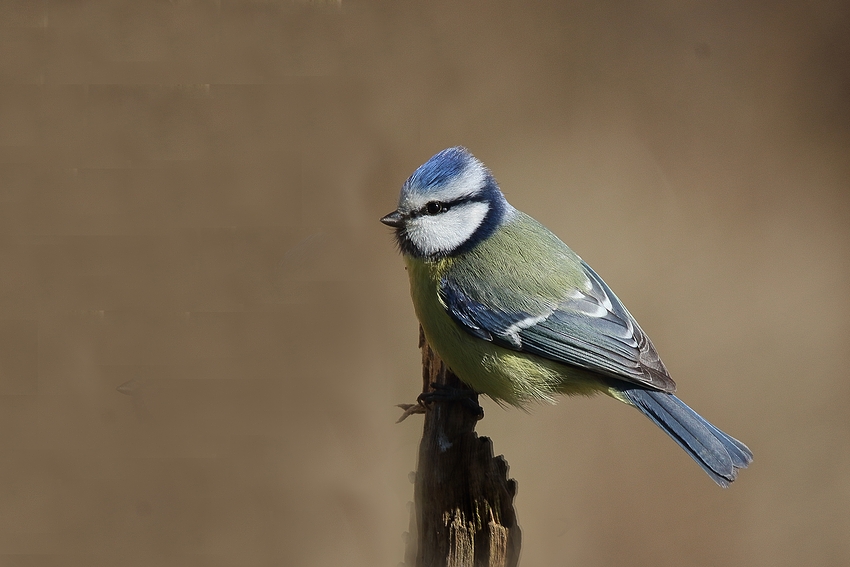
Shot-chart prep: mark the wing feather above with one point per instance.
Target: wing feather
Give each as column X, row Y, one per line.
column 589, row 328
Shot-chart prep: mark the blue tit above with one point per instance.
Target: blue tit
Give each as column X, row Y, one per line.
column 520, row 317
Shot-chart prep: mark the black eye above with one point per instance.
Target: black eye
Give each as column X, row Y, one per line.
column 435, row 207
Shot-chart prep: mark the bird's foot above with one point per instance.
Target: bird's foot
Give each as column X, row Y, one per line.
column 444, row 393
column 409, row 409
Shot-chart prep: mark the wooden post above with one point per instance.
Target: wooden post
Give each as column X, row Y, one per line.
column 463, row 512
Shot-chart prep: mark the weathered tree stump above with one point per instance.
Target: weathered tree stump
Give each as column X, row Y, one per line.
column 463, row 512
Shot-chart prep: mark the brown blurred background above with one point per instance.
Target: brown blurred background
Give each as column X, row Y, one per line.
column 204, row 328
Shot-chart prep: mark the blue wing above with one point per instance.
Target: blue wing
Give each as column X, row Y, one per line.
column 589, row 328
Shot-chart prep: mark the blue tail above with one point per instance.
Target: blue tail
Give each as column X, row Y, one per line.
column 717, row 453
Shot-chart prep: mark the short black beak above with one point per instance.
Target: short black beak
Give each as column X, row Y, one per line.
column 394, row 219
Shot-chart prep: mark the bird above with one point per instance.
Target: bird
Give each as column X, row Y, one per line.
column 520, row 317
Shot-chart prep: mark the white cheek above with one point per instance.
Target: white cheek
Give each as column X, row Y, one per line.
column 445, row 232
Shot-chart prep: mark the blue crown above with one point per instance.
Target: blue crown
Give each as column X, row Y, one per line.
column 441, row 168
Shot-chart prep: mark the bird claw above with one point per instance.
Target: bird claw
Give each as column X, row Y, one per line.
column 444, row 393
column 409, row 409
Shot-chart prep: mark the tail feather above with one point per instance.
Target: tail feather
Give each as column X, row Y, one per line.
column 716, row 452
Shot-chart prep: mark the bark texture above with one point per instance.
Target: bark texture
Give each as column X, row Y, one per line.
column 463, row 499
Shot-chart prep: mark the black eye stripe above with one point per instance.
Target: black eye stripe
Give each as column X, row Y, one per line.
column 430, row 208
column 434, row 207
column 446, row 205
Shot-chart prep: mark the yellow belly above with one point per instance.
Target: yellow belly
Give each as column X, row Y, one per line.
column 503, row 374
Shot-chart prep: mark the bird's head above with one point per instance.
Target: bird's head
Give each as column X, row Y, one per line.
column 450, row 204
